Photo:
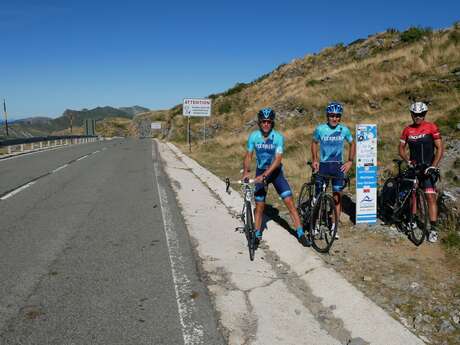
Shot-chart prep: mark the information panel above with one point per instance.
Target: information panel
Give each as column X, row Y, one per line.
column 196, row 107
column 366, row 173
column 155, row 125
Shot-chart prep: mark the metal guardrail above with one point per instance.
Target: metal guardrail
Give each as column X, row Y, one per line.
column 19, row 141
column 23, row 145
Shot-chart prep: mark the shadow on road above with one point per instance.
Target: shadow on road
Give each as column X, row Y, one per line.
column 272, row 213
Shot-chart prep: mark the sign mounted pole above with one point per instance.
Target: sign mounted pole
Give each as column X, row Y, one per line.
column 196, row 107
column 6, row 117
column 366, row 173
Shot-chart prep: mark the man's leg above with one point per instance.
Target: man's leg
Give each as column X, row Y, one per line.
column 259, row 213
column 338, row 203
column 260, row 193
column 289, row 202
column 429, row 188
column 284, row 191
column 433, row 215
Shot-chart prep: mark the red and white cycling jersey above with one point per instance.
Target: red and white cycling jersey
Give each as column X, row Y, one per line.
column 420, row 139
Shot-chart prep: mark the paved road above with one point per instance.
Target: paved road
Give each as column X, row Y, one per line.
column 85, row 258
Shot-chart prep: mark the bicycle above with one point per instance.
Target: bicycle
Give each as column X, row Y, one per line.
column 246, row 214
column 403, row 203
column 318, row 215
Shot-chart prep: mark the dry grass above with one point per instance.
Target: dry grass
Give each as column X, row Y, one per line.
column 377, row 89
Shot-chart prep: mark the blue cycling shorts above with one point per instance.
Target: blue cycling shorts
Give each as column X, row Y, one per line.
column 332, row 169
column 279, row 182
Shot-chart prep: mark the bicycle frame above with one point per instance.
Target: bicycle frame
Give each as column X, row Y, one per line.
column 246, row 214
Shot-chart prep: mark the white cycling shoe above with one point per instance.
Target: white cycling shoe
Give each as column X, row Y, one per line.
column 433, row 237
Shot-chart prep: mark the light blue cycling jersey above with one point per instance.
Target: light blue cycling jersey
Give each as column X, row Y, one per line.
column 331, row 141
column 266, row 150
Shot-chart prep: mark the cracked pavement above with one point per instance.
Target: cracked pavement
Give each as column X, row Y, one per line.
column 286, row 295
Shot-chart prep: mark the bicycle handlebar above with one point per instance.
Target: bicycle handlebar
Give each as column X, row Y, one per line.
column 241, row 182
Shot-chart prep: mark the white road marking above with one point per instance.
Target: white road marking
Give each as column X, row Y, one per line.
column 81, row 158
column 104, row 148
column 96, row 152
column 16, row 191
column 60, row 168
column 192, row 332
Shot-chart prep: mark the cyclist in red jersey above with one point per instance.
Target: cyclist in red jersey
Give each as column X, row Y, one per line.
column 425, row 147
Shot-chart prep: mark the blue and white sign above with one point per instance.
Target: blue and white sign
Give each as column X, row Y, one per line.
column 366, row 173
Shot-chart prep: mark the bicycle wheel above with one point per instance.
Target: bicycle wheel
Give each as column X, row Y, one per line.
column 303, row 204
column 250, row 232
column 387, row 199
column 323, row 223
column 418, row 220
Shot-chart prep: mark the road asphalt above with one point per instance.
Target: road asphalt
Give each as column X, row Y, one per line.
column 85, row 256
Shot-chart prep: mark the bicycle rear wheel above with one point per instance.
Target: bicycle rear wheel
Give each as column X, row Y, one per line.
column 418, row 220
column 323, row 223
column 303, row 204
column 250, row 232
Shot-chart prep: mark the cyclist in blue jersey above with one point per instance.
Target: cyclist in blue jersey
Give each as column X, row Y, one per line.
column 329, row 138
column 269, row 146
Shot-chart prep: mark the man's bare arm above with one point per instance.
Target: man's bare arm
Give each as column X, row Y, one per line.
column 439, row 152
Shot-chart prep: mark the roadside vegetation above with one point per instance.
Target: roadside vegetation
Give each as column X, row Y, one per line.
column 376, row 78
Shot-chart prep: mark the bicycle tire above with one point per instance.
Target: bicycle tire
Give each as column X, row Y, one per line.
column 322, row 231
column 250, row 232
column 417, row 234
column 303, row 204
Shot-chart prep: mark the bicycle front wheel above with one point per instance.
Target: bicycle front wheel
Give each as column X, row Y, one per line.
column 323, row 223
column 250, row 232
column 419, row 217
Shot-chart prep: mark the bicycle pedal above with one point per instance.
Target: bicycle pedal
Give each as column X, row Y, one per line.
column 240, row 229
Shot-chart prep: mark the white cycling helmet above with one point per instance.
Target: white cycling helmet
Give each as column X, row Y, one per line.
column 418, row 108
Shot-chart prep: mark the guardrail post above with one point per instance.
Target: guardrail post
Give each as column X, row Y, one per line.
column 22, row 147
column 9, row 150
column 41, row 144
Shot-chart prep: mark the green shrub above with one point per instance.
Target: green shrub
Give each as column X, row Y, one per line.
column 449, row 122
column 456, row 163
column 392, row 31
column 454, row 37
column 312, row 82
column 262, row 77
column 236, row 89
column 414, row 34
column 359, row 40
column 224, row 107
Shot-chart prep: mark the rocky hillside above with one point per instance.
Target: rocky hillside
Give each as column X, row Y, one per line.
column 376, row 78
column 37, row 126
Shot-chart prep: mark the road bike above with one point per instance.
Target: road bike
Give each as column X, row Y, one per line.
column 403, row 203
column 246, row 214
column 318, row 214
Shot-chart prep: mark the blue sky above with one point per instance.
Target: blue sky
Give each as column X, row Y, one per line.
column 82, row 54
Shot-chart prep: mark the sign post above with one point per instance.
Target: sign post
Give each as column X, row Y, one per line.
column 366, row 173
column 154, row 126
column 196, row 107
